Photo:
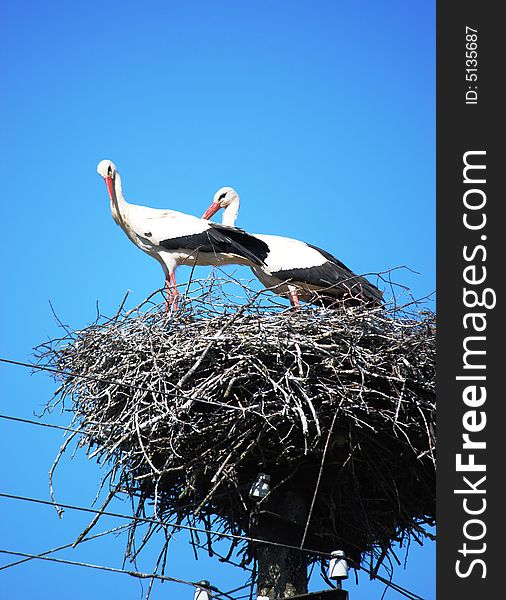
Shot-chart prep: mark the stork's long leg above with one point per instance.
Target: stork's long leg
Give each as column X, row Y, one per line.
column 171, row 291
column 294, row 296
column 174, row 290
column 168, row 301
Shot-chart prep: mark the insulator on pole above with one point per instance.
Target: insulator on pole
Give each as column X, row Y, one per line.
column 203, row 591
column 260, row 487
column 338, row 566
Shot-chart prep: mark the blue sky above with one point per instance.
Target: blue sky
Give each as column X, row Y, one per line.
column 321, row 115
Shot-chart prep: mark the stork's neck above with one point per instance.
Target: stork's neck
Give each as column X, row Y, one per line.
column 230, row 213
column 118, row 203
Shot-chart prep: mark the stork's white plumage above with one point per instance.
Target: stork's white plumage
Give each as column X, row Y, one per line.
column 297, row 269
column 174, row 238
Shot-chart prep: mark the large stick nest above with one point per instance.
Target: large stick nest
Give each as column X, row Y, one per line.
column 337, row 406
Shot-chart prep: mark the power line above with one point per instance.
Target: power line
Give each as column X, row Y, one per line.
column 81, row 432
column 31, row 422
column 180, row 396
column 65, row 546
column 40, row 424
column 241, row 538
column 43, row 556
column 387, row 582
column 391, row 584
column 76, row 563
column 142, row 519
column 238, row 589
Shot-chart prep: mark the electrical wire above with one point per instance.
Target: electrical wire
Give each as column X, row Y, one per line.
column 387, row 582
column 188, row 527
column 65, row 546
column 142, row 519
column 395, row 586
column 40, row 424
column 29, row 421
column 238, row 589
column 391, row 584
column 179, row 396
column 76, row 563
column 241, row 538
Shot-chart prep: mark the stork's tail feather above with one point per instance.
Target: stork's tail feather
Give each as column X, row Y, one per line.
column 356, row 291
column 368, row 292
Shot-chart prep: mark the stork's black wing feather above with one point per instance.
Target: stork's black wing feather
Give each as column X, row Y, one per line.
column 222, row 239
column 330, row 257
column 244, row 241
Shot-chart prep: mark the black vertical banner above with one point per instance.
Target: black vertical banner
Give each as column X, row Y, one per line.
column 471, row 164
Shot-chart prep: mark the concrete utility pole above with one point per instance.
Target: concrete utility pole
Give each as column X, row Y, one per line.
column 282, row 572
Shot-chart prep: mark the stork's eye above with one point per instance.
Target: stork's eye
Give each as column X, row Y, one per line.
column 109, row 171
column 222, row 196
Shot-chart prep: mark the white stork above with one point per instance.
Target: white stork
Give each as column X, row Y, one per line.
column 298, row 269
column 174, row 238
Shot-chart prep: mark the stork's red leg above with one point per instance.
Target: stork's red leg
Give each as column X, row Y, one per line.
column 168, row 302
column 172, row 292
column 294, row 298
column 175, row 291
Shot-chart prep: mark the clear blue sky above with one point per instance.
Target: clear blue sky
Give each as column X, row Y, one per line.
column 321, row 114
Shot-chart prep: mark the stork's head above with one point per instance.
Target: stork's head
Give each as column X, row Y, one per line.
column 107, row 170
column 223, row 198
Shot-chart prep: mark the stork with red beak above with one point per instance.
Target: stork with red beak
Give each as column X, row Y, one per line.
column 297, row 269
column 174, row 238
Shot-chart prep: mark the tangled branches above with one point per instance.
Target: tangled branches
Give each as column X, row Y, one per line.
column 337, row 406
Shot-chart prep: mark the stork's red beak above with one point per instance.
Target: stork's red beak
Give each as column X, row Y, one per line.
column 110, row 186
column 212, row 210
